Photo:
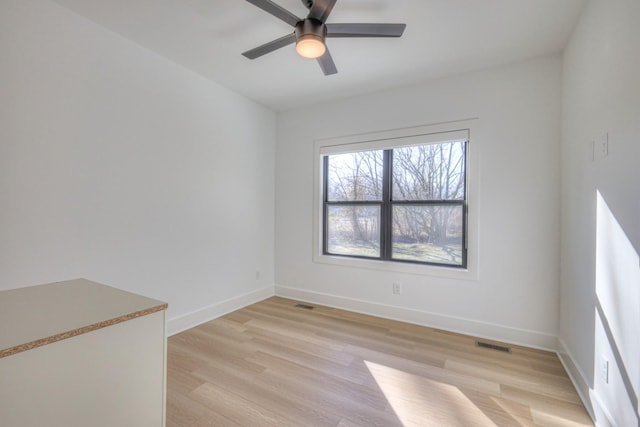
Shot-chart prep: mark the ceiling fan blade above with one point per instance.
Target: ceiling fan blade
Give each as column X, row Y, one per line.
column 321, row 9
column 365, row 30
column 277, row 11
column 271, row 46
column 327, row 64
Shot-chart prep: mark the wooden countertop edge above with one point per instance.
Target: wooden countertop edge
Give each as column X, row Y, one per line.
column 83, row 330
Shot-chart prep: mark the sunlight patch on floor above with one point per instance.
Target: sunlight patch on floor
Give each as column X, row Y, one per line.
column 419, row 401
column 546, row 419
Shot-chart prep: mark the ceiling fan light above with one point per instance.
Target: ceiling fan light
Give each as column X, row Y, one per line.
column 310, row 46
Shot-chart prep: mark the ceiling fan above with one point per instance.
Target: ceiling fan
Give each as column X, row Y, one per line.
column 310, row 33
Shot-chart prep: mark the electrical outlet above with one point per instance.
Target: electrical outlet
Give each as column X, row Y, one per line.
column 604, row 145
column 397, row 288
column 601, row 147
column 257, row 274
column 604, row 369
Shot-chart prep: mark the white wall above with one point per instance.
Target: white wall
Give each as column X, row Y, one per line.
column 517, row 147
column 127, row 169
column 600, row 280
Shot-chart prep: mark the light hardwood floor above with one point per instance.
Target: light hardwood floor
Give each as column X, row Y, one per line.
column 275, row 364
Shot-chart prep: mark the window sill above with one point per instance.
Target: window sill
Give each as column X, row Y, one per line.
column 469, row 273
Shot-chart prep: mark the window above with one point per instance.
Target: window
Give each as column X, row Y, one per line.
column 399, row 200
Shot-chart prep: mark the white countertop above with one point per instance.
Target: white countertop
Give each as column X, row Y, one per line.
column 38, row 315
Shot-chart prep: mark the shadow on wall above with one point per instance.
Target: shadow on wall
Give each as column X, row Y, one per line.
column 616, row 373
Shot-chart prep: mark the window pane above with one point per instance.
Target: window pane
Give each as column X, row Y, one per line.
column 353, row 230
column 427, row 233
column 355, row 176
column 429, row 172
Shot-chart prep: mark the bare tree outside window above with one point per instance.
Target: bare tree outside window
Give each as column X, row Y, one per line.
column 428, row 232
column 355, row 176
column 354, row 229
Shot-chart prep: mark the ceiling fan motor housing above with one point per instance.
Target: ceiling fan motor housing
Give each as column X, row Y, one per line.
column 311, row 28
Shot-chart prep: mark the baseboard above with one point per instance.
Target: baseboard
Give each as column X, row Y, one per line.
column 598, row 411
column 189, row 320
column 576, row 376
column 472, row 327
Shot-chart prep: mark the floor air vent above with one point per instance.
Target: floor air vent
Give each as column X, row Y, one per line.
column 305, row 306
column 493, row 346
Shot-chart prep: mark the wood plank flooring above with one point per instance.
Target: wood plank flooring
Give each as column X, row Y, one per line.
column 275, row 364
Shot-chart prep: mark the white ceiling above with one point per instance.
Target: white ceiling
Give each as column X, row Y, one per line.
column 442, row 37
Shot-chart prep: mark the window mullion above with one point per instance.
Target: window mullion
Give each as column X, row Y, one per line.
column 385, row 215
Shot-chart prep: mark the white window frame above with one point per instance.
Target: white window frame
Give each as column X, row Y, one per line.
column 442, row 132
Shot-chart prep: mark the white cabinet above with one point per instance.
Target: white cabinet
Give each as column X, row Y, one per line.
column 78, row 353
